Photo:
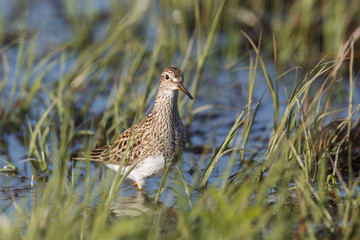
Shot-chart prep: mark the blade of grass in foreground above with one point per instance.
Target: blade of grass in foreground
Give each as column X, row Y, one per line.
column 242, row 150
column 205, row 53
column 272, row 89
column 219, row 153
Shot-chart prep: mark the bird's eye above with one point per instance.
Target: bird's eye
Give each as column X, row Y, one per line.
column 167, row 76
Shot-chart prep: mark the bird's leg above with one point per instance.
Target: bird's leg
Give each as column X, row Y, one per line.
column 137, row 187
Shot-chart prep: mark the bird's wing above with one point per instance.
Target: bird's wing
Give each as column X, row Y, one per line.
column 127, row 147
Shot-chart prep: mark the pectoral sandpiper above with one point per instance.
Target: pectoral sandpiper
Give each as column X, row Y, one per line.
column 148, row 146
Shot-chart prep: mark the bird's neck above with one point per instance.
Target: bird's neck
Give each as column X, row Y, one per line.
column 166, row 104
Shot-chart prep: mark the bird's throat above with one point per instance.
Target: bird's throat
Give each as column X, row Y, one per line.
column 166, row 105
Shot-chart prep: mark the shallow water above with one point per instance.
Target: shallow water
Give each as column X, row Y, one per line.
column 223, row 92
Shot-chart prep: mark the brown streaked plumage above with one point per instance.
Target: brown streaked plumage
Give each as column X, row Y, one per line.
column 159, row 136
column 334, row 140
column 330, row 136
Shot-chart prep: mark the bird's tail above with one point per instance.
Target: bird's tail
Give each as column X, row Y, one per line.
column 97, row 154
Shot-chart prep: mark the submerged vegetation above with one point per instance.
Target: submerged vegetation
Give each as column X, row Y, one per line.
column 273, row 174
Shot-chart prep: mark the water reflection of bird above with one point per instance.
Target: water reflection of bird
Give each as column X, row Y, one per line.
column 131, row 206
column 143, row 150
column 141, row 204
column 333, row 140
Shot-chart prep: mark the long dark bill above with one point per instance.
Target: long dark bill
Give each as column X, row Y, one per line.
column 183, row 89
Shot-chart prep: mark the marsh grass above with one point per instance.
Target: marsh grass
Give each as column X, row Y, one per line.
column 280, row 191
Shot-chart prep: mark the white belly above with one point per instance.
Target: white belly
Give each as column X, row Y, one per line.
column 151, row 166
